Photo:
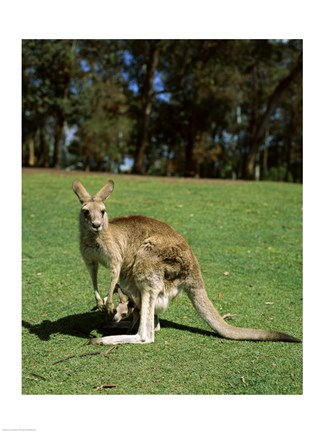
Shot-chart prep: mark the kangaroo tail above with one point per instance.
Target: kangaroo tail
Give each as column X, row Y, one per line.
column 211, row 316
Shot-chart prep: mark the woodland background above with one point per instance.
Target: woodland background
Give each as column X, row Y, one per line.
column 195, row 108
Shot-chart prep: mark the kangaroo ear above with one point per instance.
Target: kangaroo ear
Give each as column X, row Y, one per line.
column 81, row 192
column 105, row 191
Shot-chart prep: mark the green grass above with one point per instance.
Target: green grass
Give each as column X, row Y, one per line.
column 253, row 231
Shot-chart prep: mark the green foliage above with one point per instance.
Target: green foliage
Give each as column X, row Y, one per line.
column 209, row 108
column 248, row 240
column 278, row 174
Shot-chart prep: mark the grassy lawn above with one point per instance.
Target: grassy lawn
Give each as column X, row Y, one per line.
column 248, row 240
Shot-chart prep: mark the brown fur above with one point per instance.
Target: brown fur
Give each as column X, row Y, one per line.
column 153, row 264
column 126, row 308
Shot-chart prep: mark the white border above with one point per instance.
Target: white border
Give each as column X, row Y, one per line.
column 167, row 19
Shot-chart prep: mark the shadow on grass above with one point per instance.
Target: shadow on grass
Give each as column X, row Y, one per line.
column 81, row 325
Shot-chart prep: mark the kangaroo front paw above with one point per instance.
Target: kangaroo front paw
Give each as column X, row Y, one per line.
column 110, row 308
column 101, row 305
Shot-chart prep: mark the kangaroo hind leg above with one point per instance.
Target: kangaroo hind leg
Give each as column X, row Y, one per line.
column 145, row 332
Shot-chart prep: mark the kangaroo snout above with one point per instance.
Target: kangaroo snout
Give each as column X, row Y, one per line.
column 116, row 318
column 96, row 225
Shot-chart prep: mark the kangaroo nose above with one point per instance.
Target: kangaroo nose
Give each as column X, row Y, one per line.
column 96, row 224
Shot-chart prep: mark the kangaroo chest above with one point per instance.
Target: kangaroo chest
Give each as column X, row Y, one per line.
column 95, row 252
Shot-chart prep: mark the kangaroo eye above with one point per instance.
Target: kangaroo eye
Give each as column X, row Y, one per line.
column 124, row 315
column 85, row 211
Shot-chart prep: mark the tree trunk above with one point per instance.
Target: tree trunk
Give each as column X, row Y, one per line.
column 43, row 160
column 31, row 152
column 146, row 108
column 190, row 167
column 58, row 141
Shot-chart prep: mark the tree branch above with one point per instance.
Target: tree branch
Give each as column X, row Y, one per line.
column 272, row 103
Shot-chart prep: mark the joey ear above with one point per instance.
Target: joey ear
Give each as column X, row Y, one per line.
column 105, row 191
column 81, row 192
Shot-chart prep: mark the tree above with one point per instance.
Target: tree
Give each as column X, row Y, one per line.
column 47, row 70
column 200, row 77
column 260, row 115
column 181, row 107
column 102, row 121
column 141, row 63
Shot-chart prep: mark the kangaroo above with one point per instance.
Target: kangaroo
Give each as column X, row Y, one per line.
column 153, row 264
column 127, row 308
